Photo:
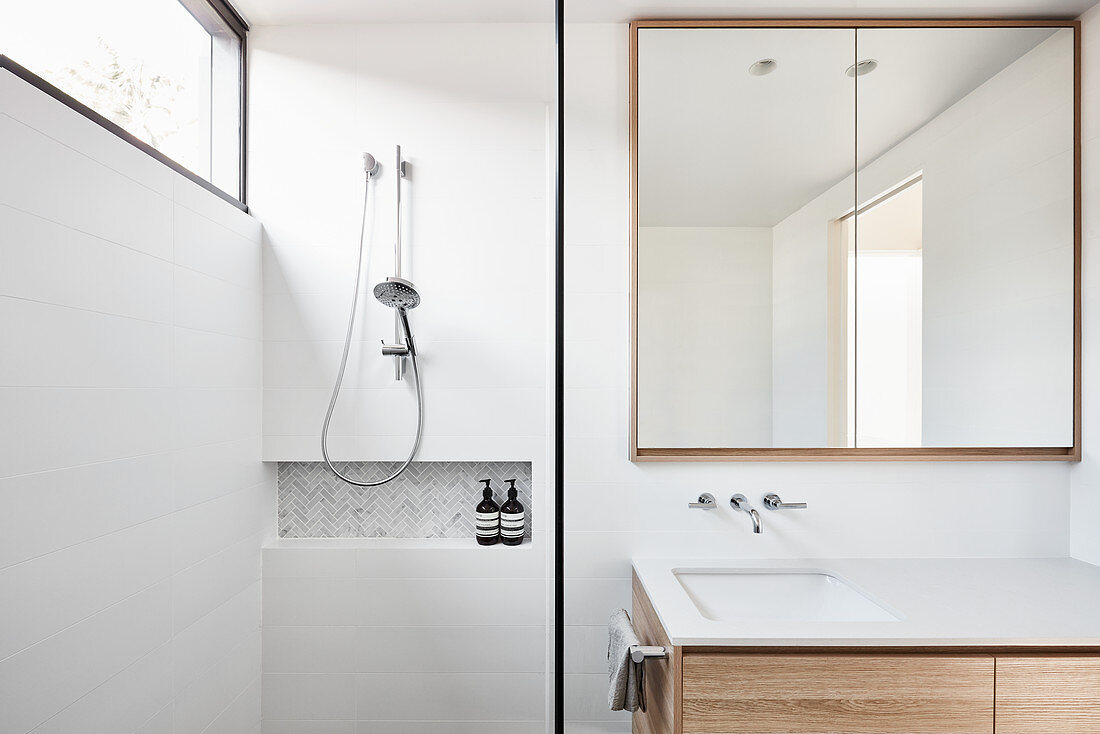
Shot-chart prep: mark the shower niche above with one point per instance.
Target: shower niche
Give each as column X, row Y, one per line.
column 430, row 499
column 855, row 240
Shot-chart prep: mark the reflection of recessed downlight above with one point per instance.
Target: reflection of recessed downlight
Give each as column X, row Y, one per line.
column 862, row 68
column 763, row 66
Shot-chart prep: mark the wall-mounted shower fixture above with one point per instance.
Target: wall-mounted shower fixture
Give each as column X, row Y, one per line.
column 371, row 166
column 398, row 294
column 398, row 359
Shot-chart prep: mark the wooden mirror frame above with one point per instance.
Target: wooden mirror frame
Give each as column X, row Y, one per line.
column 1042, row 453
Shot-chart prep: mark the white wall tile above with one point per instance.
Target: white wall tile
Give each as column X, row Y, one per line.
column 430, row 602
column 205, row 359
column 200, row 704
column 586, row 699
column 67, row 187
column 83, row 349
column 203, row 530
column 309, row 727
column 190, row 195
column 62, row 588
column 159, row 723
column 598, row 727
column 216, row 415
column 126, row 282
column 310, row 602
column 201, row 473
column 481, row 649
column 82, row 503
column 475, row 563
column 54, row 428
column 122, row 703
column 297, row 650
column 292, row 697
column 198, row 647
column 300, row 562
column 40, row 681
column 435, row 696
column 586, row 649
column 209, row 304
column 450, row 727
column 242, row 715
column 212, row 248
column 203, row 587
column 131, row 390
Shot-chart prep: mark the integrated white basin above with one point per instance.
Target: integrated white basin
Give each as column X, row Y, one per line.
column 777, row 595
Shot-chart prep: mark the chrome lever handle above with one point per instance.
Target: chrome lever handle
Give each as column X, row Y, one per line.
column 705, row 502
column 772, row 502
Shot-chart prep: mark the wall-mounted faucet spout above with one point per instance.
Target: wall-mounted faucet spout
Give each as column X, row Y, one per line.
column 740, row 503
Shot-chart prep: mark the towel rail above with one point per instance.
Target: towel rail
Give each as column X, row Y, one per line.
column 639, row 653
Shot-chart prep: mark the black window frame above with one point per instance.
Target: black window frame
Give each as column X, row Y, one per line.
column 215, row 16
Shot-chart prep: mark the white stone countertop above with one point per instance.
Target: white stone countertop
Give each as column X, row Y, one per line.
column 938, row 602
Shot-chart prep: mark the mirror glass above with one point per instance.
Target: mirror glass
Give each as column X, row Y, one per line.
column 855, row 238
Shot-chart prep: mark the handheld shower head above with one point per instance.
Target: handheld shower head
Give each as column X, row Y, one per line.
column 370, row 165
column 400, row 294
column 397, row 293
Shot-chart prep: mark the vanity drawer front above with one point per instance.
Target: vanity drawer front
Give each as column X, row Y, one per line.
column 1049, row 694
column 837, row 694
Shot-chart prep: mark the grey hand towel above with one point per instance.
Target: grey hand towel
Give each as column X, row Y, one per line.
column 624, row 676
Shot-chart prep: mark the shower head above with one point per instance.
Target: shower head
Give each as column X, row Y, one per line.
column 397, row 293
column 370, row 166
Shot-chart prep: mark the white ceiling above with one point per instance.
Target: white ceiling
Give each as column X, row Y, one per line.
column 720, row 147
column 284, row 12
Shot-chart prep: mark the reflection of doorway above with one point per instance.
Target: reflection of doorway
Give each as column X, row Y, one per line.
column 877, row 293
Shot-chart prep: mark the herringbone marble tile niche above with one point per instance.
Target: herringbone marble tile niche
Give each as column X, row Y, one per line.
column 432, row 499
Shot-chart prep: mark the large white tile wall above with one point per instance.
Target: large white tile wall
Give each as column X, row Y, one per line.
column 376, row 637
column 134, row 499
column 1085, row 477
column 424, row 638
column 615, row 509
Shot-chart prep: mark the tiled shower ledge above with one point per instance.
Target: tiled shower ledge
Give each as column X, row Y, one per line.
column 390, row 543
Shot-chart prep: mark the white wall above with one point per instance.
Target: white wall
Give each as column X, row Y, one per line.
column 452, row 638
column 1085, row 477
column 615, row 509
column 134, row 500
column 705, row 354
column 800, row 346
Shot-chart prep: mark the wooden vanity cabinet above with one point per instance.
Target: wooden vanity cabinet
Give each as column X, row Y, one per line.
column 714, row 690
column 1051, row 694
column 869, row 694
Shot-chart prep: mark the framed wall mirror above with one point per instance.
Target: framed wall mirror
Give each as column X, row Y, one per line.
column 855, row 240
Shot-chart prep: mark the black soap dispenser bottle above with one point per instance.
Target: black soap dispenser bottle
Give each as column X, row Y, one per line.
column 487, row 519
column 512, row 517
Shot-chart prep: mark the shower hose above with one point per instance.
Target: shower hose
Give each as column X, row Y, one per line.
column 344, row 362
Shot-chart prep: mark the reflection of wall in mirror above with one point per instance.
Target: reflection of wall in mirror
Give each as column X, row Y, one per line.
column 997, row 300
column 705, row 351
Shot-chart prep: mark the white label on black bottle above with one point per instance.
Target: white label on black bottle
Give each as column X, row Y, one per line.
column 488, row 524
column 511, row 524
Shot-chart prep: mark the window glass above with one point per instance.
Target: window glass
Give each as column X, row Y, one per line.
column 167, row 73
